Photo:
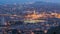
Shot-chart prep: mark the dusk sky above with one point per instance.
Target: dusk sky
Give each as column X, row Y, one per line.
column 23, row 1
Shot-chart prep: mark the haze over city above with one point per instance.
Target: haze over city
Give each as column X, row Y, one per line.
column 24, row 1
column 29, row 16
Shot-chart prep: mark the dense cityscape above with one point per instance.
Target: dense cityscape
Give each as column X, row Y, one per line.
column 36, row 18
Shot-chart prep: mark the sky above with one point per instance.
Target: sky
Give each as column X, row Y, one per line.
column 24, row 1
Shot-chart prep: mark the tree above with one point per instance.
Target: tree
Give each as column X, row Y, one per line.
column 54, row 30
